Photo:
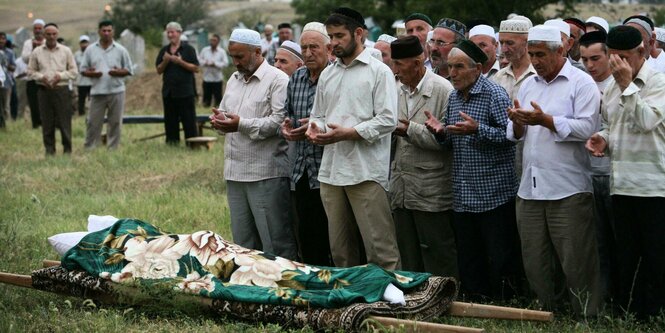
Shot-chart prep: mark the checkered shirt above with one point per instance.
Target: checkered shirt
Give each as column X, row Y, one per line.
column 299, row 102
column 483, row 163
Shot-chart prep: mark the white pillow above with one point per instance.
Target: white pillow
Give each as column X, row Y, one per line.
column 96, row 223
column 63, row 242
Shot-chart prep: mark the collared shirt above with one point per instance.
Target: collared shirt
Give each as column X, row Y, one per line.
column 81, row 81
column 48, row 62
column 103, row 60
column 428, row 63
column 299, row 103
column 255, row 152
column 634, row 128
column 27, row 50
column 505, row 77
column 577, row 64
column 495, row 69
column 600, row 166
column 178, row 82
column 484, row 162
column 421, row 172
column 658, row 63
column 556, row 164
column 362, row 95
column 218, row 60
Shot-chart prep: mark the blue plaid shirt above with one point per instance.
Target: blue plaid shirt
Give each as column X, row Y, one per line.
column 299, row 102
column 483, row 163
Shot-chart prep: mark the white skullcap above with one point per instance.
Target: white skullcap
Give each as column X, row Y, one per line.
column 375, row 53
column 599, row 21
column 430, row 35
column 515, row 26
column 38, row 21
column 660, row 35
column 481, row 29
column 386, row 39
column 84, row 38
column 268, row 26
column 245, row 36
column 559, row 24
column 292, row 48
column 545, row 33
column 317, row 27
column 523, row 18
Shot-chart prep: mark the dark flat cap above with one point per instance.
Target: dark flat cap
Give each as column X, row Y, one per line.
column 472, row 50
column 418, row 16
column 351, row 14
column 576, row 22
column 452, row 25
column 598, row 36
column 284, row 25
column 405, row 47
column 624, row 37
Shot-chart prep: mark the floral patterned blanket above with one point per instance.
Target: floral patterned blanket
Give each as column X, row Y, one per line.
column 203, row 263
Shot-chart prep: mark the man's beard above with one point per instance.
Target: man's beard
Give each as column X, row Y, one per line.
column 348, row 51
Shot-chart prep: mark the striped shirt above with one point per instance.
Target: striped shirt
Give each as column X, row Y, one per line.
column 484, row 162
column 634, row 128
column 255, row 152
column 299, row 102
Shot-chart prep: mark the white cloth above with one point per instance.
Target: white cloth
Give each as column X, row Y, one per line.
column 556, row 165
column 658, row 63
column 545, row 33
column 394, row 295
column 245, row 36
column 634, row 128
column 482, row 29
column 362, row 95
column 212, row 63
column 559, row 24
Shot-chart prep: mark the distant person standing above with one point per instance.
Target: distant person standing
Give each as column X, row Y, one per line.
column 213, row 60
column 52, row 65
column 267, row 40
column 284, row 33
column 178, row 62
column 83, row 83
column 106, row 63
column 31, row 86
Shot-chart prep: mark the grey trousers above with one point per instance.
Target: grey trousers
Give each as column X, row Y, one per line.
column 99, row 104
column 426, row 241
column 359, row 215
column 561, row 230
column 260, row 216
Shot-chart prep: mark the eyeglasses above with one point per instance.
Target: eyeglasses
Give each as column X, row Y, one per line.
column 439, row 43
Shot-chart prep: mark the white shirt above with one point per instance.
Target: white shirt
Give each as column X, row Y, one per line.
column 362, row 95
column 601, row 165
column 658, row 63
column 505, row 77
column 212, row 63
column 495, row 69
column 634, row 128
column 555, row 165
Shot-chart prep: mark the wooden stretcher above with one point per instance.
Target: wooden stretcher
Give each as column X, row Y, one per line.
column 458, row 309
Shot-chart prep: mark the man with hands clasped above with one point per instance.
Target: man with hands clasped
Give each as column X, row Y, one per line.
column 633, row 135
column 554, row 113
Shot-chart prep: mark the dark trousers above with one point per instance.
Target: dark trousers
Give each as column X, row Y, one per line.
column 639, row 231
column 13, row 103
column 212, row 90
column 177, row 110
column 488, row 253
column 84, row 93
column 55, row 112
column 607, row 250
column 33, row 102
column 312, row 228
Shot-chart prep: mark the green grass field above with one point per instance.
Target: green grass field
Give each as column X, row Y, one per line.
column 178, row 189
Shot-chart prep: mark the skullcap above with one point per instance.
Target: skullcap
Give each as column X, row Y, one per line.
column 601, row 22
column 660, row 35
column 405, row 47
column 419, row 16
column 624, row 37
column 386, row 39
column 515, row 26
column 317, row 27
column 84, row 38
column 38, row 21
column 452, row 25
column 545, row 33
column 481, row 29
column 559, row 24
column 472, row 50
column 245, row 36
column 292, row 48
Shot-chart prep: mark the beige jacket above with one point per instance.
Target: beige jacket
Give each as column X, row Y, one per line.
column 421, row 172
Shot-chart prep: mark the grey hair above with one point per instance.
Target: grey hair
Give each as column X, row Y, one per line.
column 174, row 25
column 551, row 45
column 455, row 51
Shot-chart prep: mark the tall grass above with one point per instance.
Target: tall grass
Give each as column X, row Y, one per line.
column 178, row 189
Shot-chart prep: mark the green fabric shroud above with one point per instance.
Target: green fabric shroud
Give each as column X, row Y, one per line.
column 203, row 263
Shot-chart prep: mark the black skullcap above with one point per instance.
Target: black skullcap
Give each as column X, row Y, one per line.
column 641, row 18
column 351, row 14
column 624, row 37
column 452, row 25
column 405, row 47
column 472, row 50
column 598, row 36
column 284, row 25
column 576, row 22
column 418, row 16
column 51, row 24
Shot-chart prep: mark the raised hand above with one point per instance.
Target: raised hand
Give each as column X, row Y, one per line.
column 596, row 144
column 433, row 124
column 466, row 127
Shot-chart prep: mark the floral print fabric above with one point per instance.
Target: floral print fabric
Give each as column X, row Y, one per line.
column 203, row 263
